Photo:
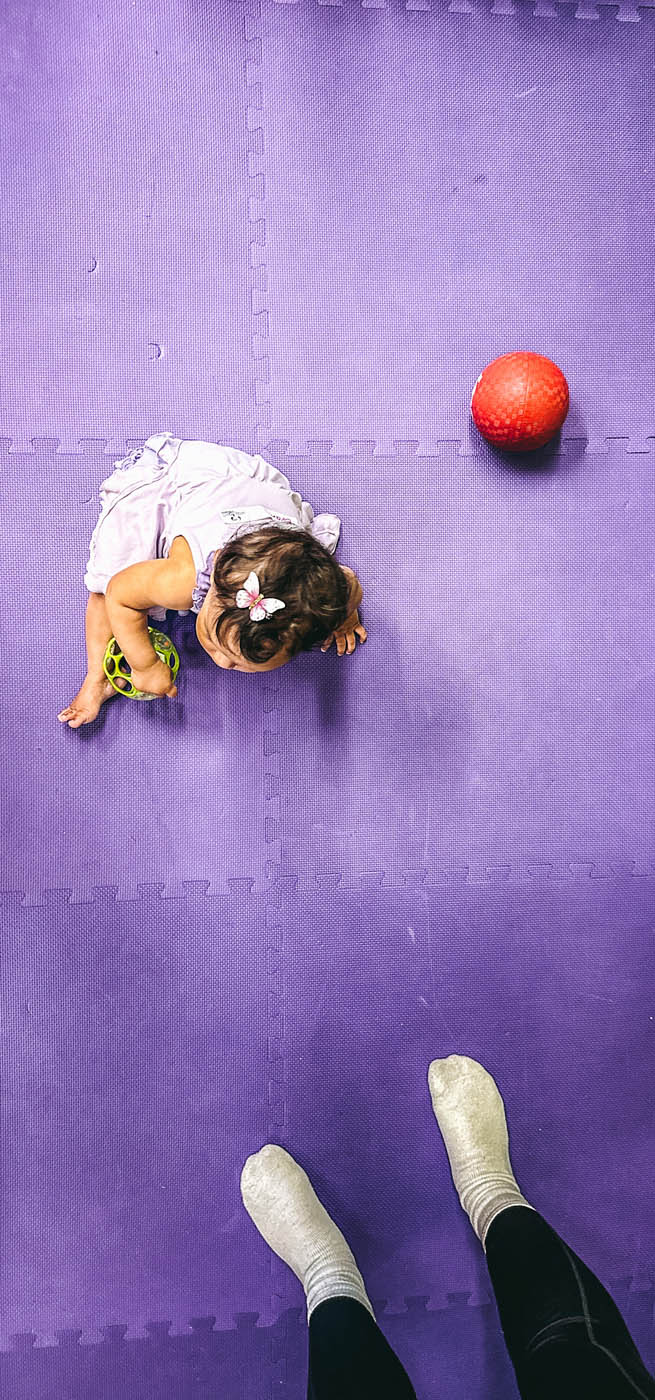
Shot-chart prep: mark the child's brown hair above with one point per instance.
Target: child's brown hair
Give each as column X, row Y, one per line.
column 292, row 566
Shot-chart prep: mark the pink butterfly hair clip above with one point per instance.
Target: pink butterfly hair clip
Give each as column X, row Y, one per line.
column 250, row 597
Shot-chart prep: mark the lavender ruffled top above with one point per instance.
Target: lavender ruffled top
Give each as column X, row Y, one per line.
column 199, row 490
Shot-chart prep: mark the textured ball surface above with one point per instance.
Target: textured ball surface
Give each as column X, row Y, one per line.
column 520, row 401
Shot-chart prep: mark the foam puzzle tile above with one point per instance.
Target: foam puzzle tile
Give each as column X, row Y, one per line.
column 130, row 1103
column 588, row 11
column 498, row 720
column 407, row 232
column 162, row 1362
column 124, row 196
column 243, row 1359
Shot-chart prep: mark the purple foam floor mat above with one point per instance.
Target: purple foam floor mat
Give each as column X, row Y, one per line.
column 257, row 913
column 504, row 703
column 133, row 1094
column 125, row 199
column 478, row 180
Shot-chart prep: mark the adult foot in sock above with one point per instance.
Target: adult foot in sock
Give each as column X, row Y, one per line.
column 283, row 1205
column 471, row 1115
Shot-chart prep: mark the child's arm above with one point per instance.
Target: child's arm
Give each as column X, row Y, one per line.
column 345, row 636
column 355, row 596
column 163, row 583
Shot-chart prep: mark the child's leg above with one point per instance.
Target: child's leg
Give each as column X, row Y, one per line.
column 564, row 1334
column 95, row 688
column 349, row 1357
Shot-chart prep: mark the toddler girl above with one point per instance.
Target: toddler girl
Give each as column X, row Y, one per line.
column 196, row 527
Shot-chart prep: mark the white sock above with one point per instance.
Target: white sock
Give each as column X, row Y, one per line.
column 471, row 1116
column 282, row 1203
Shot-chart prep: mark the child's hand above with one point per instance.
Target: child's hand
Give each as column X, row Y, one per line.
column 155, row 680
column 346, row 635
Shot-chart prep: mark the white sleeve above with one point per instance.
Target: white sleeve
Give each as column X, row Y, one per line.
column 263, row 471
column 325, row 528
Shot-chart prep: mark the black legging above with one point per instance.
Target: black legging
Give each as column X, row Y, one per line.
column 565, row 1336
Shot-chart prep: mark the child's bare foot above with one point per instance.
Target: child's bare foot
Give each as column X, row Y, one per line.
column 87, row 703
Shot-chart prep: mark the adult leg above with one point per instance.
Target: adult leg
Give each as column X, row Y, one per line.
column 564, row 1333
column 565, row 1336
column 349, row 1359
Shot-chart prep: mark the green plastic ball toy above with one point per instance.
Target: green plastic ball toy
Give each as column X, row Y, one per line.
column 117, row 669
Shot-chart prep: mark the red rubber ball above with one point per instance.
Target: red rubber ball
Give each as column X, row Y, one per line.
column 520, row 401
